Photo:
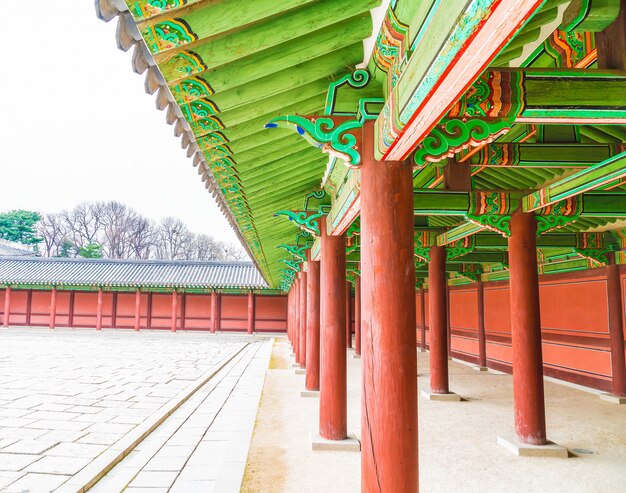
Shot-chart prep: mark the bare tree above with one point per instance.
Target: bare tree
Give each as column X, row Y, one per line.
column 84, row 223
column 53, row 229
column 173, row 240
column 121, row 232
column 203, row 247
column 234, row 253
column 142, row 237
column 116, row 221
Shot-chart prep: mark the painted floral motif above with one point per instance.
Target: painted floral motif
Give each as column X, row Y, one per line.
column 569, row 48
column 168, row 34
column 191, row 89
column 186, row 63
column 149, row 8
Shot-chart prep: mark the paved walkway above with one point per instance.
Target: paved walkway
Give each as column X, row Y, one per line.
column 203, row 446
column 72, row 402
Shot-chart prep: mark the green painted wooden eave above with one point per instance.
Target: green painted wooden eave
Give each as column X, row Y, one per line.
column 232, row 65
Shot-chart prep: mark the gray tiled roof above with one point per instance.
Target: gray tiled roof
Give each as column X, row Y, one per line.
column 131, row 273
column 15, row 249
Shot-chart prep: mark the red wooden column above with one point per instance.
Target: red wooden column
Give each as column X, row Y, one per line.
column 437, row 288
column 296, row 320
column 289, row 315
column 29, row 306
column 302, row 316
column 333, row 384
column 423, row 318
column 616, row 329
column 348, row 317
column 250, row 313
column 291, row 318
column 99, row 310
column 357, row 315
column 448, row 324
column 149, row 312
column 7, row 306
column 528, row 400
column 213, row 312
column 183, row 310
column 218, row 320
column 114, row 311
column 312, row 378
column 389, row 449
column 71, row 314
column 482, row 340
column 174, row 310
column 137, row 309
column 53, row 308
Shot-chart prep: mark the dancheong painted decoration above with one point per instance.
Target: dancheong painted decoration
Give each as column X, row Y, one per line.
column 488, row 134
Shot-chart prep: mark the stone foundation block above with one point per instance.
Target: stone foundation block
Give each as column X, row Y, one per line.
column 520, row 449
column 350, row 444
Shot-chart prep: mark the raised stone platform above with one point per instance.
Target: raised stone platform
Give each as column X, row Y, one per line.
column 350, row 444
column 450, row 396
column 520, row 449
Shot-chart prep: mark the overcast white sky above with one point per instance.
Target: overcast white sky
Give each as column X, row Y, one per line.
column 76, row 124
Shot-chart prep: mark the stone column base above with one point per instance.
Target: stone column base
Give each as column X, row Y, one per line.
column 350, row 444
column 520, row 449
column 450, row 396
column 356, row 356
column 480, row 368
column 300, row 371
column 309, row 393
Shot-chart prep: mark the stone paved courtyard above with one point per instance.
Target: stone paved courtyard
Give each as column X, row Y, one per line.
column 72, row 402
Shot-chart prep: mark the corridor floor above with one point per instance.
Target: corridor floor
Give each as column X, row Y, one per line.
column 457, row 440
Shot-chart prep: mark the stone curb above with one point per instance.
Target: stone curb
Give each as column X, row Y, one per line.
column 95, row 470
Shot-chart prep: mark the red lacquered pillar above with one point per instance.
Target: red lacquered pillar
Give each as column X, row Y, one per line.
column 250, row 313
column 423, row 318
column 7, row 305
column 137, row 309
column 312, row 378
column 289, row 316
column 302, row 316
column 528, row 400
column 437, row 288
column 357, row 315
column 348, row 317
column 389, row 458
column 333, row 390
column 482, row 340
column 296, row 320
column 616, row 329
column 448, row 324
column 174, row 310
column 218, row 318
column 99, row 310
column 213, row 312
column 53, row 308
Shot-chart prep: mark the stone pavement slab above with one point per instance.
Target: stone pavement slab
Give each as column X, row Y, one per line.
column 72, row 397
column 203, row 446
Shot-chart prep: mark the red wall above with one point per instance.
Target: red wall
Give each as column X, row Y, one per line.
column 193, row 310
column 574, row 321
